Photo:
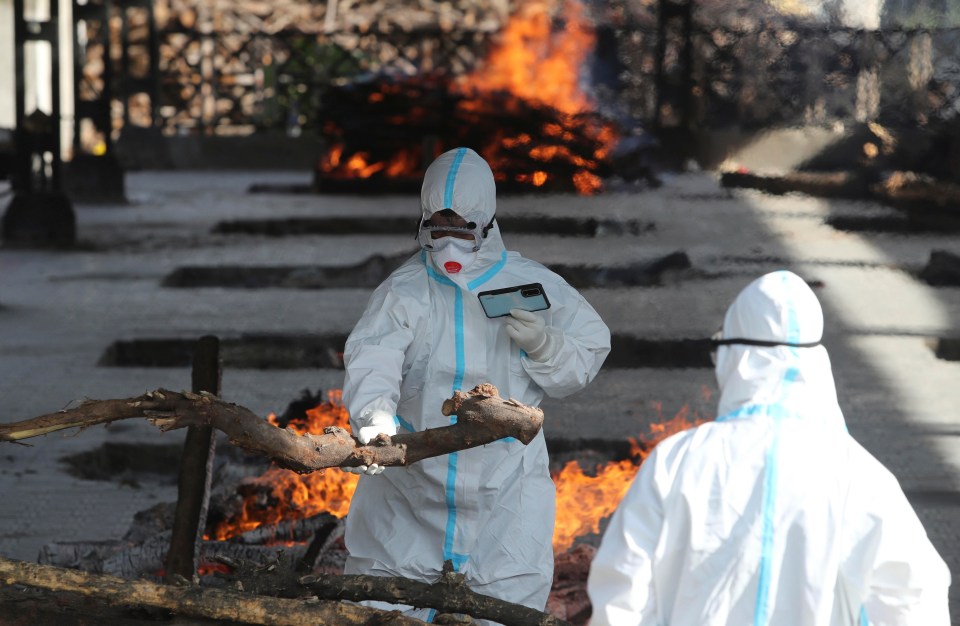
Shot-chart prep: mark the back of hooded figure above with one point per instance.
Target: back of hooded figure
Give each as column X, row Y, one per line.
column 489, row 510
column 772, row 514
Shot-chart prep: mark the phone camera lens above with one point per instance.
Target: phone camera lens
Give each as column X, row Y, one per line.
column 529, row 293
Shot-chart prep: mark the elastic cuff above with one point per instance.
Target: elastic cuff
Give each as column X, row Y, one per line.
column 547, row 349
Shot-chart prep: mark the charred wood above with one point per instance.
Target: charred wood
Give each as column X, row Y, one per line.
column 196, row 469
column 385, row 122
column 449, row 594
column 923, row 198
column 146, row 558
column 192, row 601
column 822, row 184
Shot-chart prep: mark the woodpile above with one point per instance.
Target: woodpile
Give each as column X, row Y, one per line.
column 235, row 66
column 259, row 574
column 393, row 129
column 275, row 595
column 416, row 34
column 361, row 17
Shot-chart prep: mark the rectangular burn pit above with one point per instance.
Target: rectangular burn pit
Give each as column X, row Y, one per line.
column 252, row 351
column 293, row 351
column 374, row 270
column 365, row 275
column 906, row 224
column 524, row 225
column 947, row 348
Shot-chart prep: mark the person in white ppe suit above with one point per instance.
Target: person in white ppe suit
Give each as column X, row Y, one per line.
column 488, row 510
column 772, row 513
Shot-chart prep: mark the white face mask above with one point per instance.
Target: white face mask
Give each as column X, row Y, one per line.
column 454, row 255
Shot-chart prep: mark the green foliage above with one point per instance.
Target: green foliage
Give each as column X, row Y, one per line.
column 295, row 86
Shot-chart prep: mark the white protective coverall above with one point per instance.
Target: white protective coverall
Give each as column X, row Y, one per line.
column 772, row 514
column 490, row 510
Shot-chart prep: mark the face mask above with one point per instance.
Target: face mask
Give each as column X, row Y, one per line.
column 453, row 255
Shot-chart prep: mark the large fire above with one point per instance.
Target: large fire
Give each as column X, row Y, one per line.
column 522, row 109
column 583, row 500
column 296, row 496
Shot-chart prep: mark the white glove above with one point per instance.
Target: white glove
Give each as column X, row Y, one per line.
column 529, row 332
column 369, row 470
column 378, row 422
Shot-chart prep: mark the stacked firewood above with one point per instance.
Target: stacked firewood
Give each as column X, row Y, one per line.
column 410, row 35
column 383, row 17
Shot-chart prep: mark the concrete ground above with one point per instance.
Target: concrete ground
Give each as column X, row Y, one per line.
column 60, row 310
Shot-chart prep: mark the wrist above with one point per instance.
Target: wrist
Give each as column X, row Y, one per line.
column 547, row 348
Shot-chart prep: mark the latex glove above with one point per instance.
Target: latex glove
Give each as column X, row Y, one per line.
column 378, row 422
column 529, row 332
column 369, row 470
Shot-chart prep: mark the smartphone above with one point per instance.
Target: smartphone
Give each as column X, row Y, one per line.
column 498, row 302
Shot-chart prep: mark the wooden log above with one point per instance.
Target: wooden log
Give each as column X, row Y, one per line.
column 196, row 470
column 192, row 601
column 450, row 594
column 920, row 195
column 821, row 184
column 483, row 417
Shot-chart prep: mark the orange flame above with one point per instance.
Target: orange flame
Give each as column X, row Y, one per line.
column 533, row 64
column 532, row 67
column 584, row 501
column 297, row 496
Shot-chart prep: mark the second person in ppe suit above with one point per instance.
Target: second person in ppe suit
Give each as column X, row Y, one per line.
column 489, row 510
column 771, row 514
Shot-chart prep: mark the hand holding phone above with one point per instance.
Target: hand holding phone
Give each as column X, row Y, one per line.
column 529, row 332
column 498, row 302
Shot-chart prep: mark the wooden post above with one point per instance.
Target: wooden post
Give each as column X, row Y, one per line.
column 196, row 465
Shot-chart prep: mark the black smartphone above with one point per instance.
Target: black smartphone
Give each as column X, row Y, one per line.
column 498, row 302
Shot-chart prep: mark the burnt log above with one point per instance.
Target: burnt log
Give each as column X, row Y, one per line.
column 196, row 469
column 192, row 601
column 483, row 417
column 820, row 184
column 530, row 145
column 923, row 199
column 449, row 594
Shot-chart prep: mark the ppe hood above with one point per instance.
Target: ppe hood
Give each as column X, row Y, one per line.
column 461, row 180
column 777, row 307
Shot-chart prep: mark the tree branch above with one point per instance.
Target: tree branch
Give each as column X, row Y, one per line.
column 482, row 417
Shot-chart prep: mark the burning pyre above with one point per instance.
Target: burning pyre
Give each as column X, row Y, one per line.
column 522, row 109
column 584, row 499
